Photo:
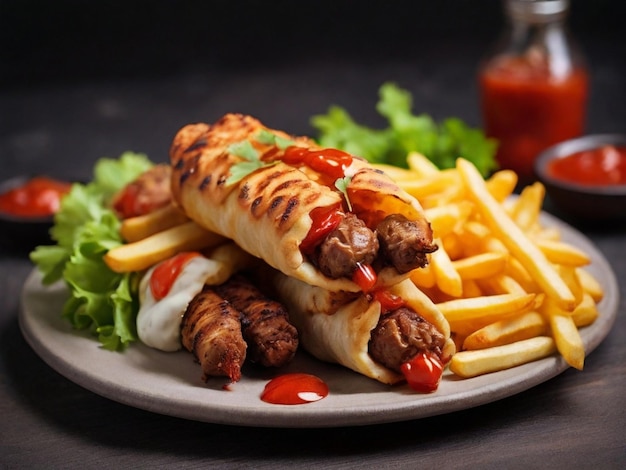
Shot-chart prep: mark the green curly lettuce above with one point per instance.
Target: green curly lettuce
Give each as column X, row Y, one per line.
column 442, row 143
column 85, row 229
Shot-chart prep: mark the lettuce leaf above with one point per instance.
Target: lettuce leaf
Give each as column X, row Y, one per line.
column 441, row 142
column 85, row 229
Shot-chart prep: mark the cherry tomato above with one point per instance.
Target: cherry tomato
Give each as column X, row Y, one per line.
column 388, row 301
column 325, row 219
column 365, row 277
column 166, row 272
column 423, row 372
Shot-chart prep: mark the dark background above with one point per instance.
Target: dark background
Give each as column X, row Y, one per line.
column 74, row 40
column 282, row 61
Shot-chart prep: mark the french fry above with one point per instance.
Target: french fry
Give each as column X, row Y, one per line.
column 516, row 271
column 471, row 289
column 486, row 307
column 527, row 207
column 447, row 279
column 565, row 334
column 590, row 284
column 421, row 165
column 424, row 277
column 138, row 228
column 453, row 246
column 423, row 187
column 568, row 274
column 144, row 253
column 501, row 284
column 586, row 312
column 559, row 252
column 445, row 219
column 473, row 363
column 510, row 330
column 502, row 184
column 514, row 239
column 481, row 265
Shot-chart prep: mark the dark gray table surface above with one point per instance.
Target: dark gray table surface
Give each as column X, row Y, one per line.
column 61, row 127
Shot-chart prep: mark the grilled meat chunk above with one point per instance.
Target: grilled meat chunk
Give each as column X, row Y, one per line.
column 272, row 340
column 349, row 244
column 211, row 331
column 404, row 242
column 402, row 334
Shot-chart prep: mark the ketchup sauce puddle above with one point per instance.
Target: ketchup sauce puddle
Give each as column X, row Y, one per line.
column 294, row 389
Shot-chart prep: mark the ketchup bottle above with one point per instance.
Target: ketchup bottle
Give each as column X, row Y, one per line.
column 533, row 85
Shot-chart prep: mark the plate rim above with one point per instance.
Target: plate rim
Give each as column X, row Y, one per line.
column 313, row 415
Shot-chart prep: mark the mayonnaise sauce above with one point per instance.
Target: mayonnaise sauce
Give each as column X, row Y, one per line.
column 158, row 322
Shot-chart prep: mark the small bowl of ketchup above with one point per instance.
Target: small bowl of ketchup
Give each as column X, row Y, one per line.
column 585, row 177
column 27, row 208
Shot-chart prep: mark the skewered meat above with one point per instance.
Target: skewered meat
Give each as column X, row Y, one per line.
column 272, row 340
column 211, row 331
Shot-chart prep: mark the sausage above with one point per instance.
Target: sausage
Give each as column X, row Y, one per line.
column 402, row 334
column 211, row 331
column 272, row 340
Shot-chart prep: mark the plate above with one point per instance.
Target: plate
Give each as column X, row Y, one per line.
column 170, row 384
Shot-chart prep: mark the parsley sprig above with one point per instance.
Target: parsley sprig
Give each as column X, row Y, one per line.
column 251, row 156
column 342, row 185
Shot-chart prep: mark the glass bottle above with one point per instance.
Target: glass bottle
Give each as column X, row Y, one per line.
column 533, row 85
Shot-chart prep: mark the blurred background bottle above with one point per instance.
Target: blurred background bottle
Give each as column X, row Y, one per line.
column 533, row 84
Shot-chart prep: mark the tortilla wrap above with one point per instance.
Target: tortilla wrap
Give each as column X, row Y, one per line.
column 267, row 212
column 341, row 334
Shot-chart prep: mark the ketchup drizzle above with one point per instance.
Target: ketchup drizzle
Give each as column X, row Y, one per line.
column 294, row 389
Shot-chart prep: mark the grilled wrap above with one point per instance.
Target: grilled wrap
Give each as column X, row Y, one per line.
column 274, row 209
column 342, row 331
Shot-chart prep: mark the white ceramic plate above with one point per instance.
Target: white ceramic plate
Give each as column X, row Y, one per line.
column 169, row 383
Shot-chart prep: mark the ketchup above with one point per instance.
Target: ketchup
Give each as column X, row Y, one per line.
column 329, row 162
column 423, row 372
column 595, row 167
column 294, row 389
column 166, row 272
column 38, row 197
column 324, row 221
column 388, row 301
column 527, row 109
column 365, row 277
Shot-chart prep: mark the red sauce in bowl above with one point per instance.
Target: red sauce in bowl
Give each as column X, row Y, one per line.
column 37, row 197
column 600, row 166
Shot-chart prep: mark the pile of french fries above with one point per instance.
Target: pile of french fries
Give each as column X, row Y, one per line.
column 511, row 289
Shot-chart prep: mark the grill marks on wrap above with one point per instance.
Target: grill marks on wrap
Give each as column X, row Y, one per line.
column 277, row 193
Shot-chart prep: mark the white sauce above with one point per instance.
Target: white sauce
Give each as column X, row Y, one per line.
column 158, row 323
